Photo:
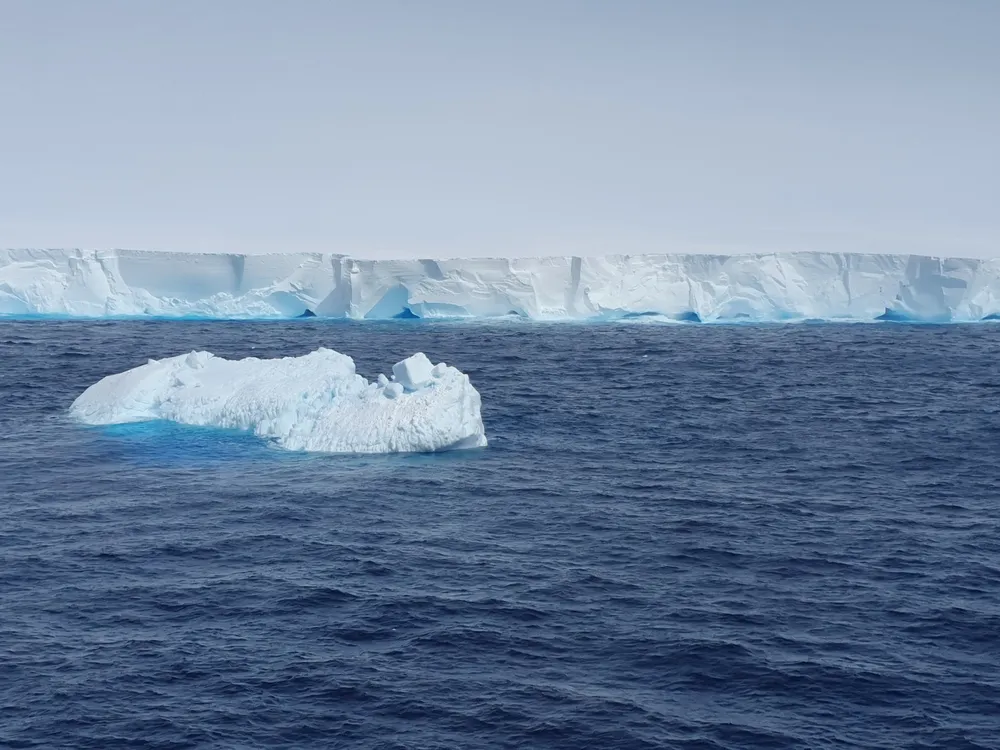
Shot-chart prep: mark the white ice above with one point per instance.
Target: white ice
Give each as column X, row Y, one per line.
column 829, row 286
column 413, row 372
column 316, row 402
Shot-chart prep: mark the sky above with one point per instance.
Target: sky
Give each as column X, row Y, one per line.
column 485, row 127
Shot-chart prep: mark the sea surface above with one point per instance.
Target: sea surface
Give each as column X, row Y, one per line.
column 680, row 536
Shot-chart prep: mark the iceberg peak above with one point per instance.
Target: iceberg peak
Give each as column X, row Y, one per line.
column 413, row 372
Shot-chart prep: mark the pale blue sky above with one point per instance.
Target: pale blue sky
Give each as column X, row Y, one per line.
column 468, row 128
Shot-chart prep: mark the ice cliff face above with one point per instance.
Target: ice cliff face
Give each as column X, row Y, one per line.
column 685, row 287
column 316, row 402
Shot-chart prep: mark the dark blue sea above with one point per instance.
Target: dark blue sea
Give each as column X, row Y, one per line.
column 680, row 536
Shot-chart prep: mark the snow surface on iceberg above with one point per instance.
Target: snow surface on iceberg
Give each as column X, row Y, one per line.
column 830, row 286
column 316, row 402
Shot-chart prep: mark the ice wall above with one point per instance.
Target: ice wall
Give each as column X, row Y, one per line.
column 830, row 286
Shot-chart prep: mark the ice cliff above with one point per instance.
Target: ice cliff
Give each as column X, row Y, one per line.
column 826, row 286
column 312, row 403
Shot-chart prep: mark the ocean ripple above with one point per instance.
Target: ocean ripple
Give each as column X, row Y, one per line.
column 679, row 537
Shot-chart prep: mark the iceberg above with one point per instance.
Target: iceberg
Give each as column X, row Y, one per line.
column 680, row 287
column 316, row 402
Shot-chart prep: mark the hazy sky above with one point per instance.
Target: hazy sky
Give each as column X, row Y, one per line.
column 516, row 127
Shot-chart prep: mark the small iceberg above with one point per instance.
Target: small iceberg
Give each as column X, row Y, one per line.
column 316, row 402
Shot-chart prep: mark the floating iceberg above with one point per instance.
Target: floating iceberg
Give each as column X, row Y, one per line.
column 827, row 286
column 312, row 403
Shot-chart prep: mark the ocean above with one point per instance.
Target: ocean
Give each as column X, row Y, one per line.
column 680, row 536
